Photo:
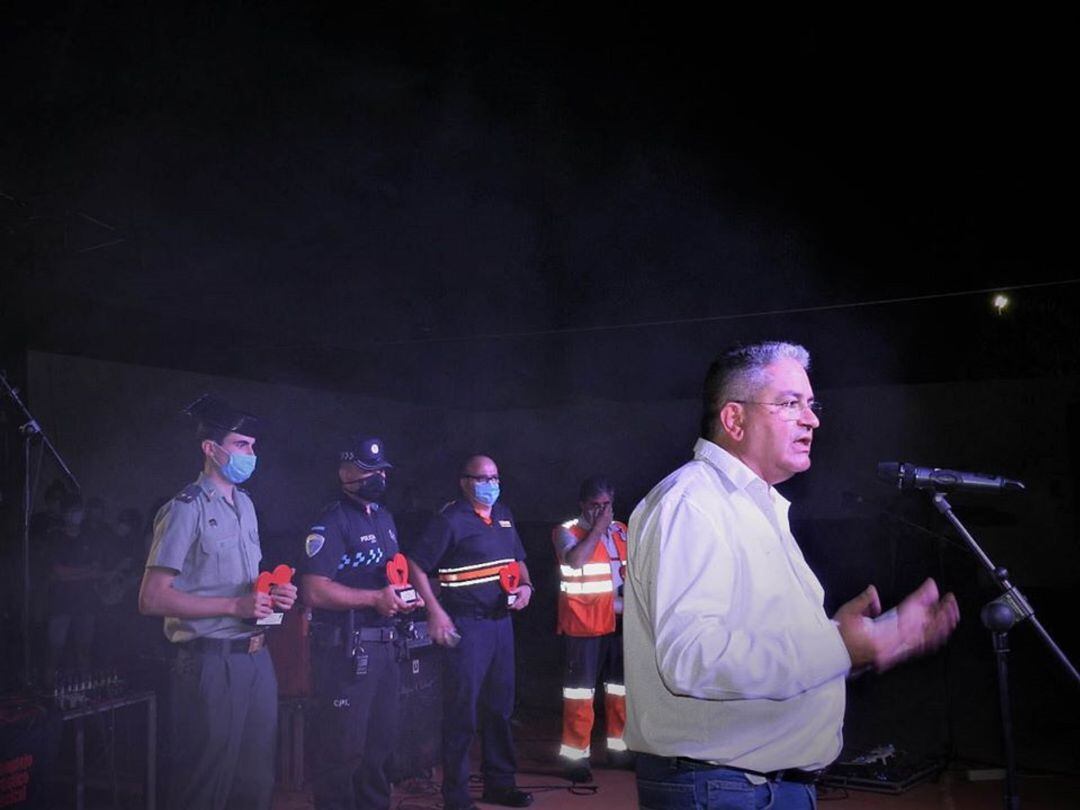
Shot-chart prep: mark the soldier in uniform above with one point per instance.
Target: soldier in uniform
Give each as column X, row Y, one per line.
column 592, row 560
column 468, row 545
column 343, row 577
column 200, row 576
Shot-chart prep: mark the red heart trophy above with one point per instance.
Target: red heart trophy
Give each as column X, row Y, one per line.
column 397, row 574
column 510, row 578
column 282, row 575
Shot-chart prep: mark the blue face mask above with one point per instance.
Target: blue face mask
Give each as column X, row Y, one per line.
column 486, row 493
column 238, row 468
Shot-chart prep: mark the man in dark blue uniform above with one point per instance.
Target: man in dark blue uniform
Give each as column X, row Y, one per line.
column 470, row 546
column 200, row 575
column 355, row 658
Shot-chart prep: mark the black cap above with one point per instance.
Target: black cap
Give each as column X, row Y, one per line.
column 214, row 412
column 367, row 454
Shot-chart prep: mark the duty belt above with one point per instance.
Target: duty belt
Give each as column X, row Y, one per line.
column 477, row 574
column 333, row 636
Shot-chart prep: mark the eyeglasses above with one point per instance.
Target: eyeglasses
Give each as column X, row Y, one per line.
column 487, row 479
column 790, row 409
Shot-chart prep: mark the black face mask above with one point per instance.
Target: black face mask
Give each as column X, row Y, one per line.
column 370, row 489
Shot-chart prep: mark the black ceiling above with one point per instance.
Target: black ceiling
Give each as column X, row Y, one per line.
column 440, row 203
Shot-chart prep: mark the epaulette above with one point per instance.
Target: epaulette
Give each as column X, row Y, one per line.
column 188, row 493
column 336, row 504
column 446, row 506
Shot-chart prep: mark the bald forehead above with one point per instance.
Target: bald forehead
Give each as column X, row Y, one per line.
column 479, row 465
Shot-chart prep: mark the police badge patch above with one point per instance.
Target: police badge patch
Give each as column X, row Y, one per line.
column 313, row 543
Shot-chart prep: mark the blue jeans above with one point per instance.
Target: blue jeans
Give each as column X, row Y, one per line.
column 665, row 783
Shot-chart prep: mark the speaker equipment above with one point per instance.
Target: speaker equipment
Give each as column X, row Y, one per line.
column 29, row 743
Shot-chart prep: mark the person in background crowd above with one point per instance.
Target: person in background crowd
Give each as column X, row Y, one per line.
column 75, row 567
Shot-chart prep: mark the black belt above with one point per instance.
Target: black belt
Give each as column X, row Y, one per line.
column 786, row 775
column 332, row 636
column 249, row 645
column 383, row 634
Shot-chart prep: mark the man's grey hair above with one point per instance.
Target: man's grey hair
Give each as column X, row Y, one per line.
column 739, row 373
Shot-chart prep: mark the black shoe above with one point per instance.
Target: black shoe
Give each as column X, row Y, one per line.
column 578, row 772
column 507, row 797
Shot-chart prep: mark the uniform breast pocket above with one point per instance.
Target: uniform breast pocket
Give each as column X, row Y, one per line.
column 223, row 557
column 217, row 542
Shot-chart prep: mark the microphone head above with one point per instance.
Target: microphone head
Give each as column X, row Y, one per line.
column 888, row 471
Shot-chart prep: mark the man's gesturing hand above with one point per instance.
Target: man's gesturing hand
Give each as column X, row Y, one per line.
column 919, row 624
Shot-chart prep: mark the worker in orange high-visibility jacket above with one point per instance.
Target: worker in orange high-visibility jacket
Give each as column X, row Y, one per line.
column 591, row 550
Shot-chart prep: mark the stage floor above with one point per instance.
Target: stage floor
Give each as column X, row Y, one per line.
column 614, row 789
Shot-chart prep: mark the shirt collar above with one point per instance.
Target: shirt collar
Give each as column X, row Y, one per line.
column 207, row 486
column 736, row 471
column 359, row 507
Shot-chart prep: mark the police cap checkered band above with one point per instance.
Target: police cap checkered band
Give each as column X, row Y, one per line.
column 367, row 454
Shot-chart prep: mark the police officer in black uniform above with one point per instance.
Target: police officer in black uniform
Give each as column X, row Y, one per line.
column 353, row 635
column 469, row 546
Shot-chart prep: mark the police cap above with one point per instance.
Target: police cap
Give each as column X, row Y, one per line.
column 366, row 453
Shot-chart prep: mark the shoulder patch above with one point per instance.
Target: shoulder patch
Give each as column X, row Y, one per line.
column 188, row 493
column 313, row 544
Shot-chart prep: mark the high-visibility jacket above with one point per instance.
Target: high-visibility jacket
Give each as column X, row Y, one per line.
column 587, row 594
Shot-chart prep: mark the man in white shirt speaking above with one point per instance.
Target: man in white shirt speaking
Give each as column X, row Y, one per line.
column 734, row 674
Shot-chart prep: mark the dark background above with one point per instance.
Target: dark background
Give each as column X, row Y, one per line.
column 529, row 229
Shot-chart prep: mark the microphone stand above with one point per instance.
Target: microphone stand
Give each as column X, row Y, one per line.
column 999, row 616
column 30, row 430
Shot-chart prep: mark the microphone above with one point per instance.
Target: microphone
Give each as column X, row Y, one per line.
column 911, row 476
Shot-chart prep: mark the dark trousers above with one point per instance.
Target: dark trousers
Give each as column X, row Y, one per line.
column 593, row 658
column 356, row 728
column 224, row 722
column 478, row 695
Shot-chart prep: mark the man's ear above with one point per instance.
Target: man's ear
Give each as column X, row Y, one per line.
column 730, row 420
column 208, row 447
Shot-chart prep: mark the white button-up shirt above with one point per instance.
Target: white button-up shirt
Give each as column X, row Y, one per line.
column 729, row 655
